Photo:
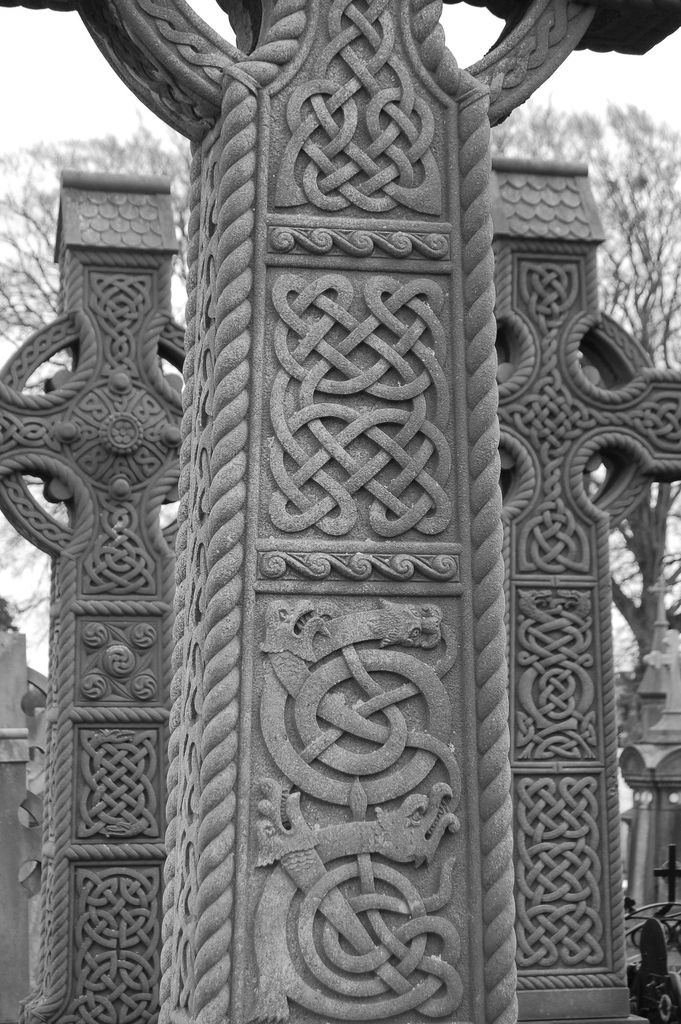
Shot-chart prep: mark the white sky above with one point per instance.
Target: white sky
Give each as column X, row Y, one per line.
column 54, row 83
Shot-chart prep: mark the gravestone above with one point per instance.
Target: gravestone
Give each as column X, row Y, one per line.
column 14, row 840
column 587, row 422
column 340, row 818
column 22, row 692
column 103, row 438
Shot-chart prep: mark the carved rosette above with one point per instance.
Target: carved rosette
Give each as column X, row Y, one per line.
column 104, row 439
column 584, row 422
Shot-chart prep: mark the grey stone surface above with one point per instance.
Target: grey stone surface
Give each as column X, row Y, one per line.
column 104, row 439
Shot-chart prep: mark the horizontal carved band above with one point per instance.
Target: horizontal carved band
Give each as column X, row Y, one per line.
column 358, row 566
column 354, row 242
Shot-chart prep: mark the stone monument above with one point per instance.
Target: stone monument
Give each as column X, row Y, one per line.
column 104, row 440
column 339, row 842
column 587, row 422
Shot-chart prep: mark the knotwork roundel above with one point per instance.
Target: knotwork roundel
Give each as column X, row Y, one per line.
column 336, row 350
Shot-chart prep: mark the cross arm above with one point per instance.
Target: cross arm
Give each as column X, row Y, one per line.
column 538, row 36
column 649, row 412
column 636, row 430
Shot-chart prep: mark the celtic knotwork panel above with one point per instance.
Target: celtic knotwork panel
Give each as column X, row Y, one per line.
column 558, row 899
column 118, row 562
column 119, row 661
column 116, row 921
column 361, row 136
column 548, row 290
column 360, row 729
column 555, row 714
column 120, row 301
column 552, row 539
column 359, row 403
column 119, row 776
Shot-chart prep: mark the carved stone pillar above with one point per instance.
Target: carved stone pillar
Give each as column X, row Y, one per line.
column 340, row 843
column 103, row 439
column 586, row 423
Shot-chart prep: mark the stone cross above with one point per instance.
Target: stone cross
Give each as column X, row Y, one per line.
column 587, row 422
column 103, row 438
column 339, row 844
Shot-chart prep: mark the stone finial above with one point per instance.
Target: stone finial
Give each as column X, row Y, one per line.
column 115, row 211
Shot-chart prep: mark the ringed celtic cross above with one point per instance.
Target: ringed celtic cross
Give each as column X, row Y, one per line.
column 103, row 438
column 339, row 843
column 578, row 397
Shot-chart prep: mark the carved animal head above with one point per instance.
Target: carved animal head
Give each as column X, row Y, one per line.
column 281, row 827
column 411, row 625
column 413, row 831
column 292, row 626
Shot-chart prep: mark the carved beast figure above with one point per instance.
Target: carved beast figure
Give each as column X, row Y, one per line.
column 409, row 833
column 292, row 626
